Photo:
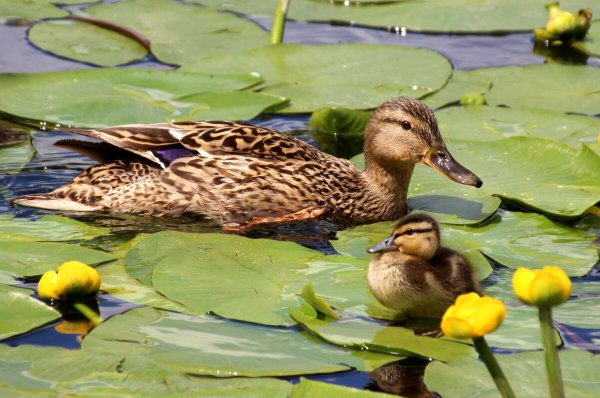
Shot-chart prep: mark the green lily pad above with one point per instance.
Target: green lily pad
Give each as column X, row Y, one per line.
column 103, row 97
column 489, row 16
column 525, row 372
column 460, row 83
column 182, row 33
column 48, row 371
column 208, row 346
column 34, row 9
column 85, row 42
column 14, row 157
column 487, row 123
column 359, row 76
column 314, row 389
column 591, row 44
column 563, row 88
column 21, row 312
column 232, row 276
column 48, row 229
column 368, row 335
column 22, row 258
column 339, row 131
column 231, row 105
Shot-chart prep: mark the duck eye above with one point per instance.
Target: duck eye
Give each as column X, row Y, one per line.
column 409, row 232
column 405, row 125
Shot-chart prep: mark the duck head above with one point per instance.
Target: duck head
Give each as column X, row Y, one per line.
column 404, row 131
column 416, row 234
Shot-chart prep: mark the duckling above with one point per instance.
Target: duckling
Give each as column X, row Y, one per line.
column 413, row 273
column 243, row 175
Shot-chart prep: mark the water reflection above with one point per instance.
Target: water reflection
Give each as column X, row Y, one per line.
column 404, row 378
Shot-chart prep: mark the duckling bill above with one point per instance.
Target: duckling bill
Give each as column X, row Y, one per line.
column 242, row 175
column 414, row 274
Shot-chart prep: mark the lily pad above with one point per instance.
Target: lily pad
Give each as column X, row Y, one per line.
column 563, row 88
column 489, row 16
column 182, row 33
column 460, row 83
column 525, row 371
column 85, row 42
column 232, row 276
column 339, row 131
column 314, row 389
column 48, row 229
column 208, row 346
column 22, row 258
column 488, row 123
column 358, row 76
column 21, row 312
column 15, row 149
column 104, row 97
column 34, row 9
column 369, row 335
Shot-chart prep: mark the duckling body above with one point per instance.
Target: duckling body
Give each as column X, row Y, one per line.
column 414, row 274
column 237, row 173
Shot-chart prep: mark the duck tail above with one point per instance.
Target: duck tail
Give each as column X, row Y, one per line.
column 50, row 201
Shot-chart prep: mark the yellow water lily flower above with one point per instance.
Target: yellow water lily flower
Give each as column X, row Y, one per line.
column 473, row 316
column 71, row 279
column 563, row 25
column 544, row 288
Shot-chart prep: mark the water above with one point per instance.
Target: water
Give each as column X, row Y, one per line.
column 52, row 166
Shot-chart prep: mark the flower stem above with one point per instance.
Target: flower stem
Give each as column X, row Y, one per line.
column 555, row 380
column 88, row 313
column 493, row 367
column 279, row 21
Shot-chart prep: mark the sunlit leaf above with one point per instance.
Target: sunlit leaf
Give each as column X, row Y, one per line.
column 104, row 97
column 525, row 371
column 21, row 312
column 85, row 42
column 563, row 88
column 208, row 346
column 48, row 229
column 489, row 16
column 181, row 33
column 314, row 389
column 460, row 83
column 26, row 258
column 358, row 76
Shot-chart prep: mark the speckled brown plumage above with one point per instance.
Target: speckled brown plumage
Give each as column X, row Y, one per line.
column 237, row 173
column 416, row 275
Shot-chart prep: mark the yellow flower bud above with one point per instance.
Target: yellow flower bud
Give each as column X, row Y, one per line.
column 71, row 279
column 473, row 316
column 47, row 285
column 545, row 287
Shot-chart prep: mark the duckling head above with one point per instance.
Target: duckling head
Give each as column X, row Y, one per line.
column 416, row 235
column 404, row 131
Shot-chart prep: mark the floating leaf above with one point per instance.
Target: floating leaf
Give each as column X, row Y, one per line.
column 208, row 346
column 103, row 97
column 21, row 312
column 316, row 302
column 26, row 258
column 182, row 33
column 335, row 75
column 563, row 88
column 487, row 16
column 460, row 83
column 314, row 389
column 488, row 123
column 469, row 377
column 339, row 131
column 85, row 42
column 48, row 228
column 33, row 9
column 15, row 149
column 369, row 335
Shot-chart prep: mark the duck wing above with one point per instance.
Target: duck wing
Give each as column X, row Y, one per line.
column 165, row 142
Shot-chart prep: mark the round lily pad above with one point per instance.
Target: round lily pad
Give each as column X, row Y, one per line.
column 21, row 312
column 85, row 42
column 358, row 76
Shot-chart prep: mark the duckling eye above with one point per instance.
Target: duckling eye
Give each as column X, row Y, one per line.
column 405, row 125
column 409, row 232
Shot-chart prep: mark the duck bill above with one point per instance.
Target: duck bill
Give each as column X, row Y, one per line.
column 438, row 158
column 383, row 246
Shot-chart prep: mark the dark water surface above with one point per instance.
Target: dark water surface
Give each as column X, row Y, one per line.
column 53, row 166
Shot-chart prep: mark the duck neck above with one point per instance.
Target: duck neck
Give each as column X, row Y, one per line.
column 387, row 187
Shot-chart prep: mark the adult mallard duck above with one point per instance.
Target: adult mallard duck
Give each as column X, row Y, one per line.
column 242, row 175
column 413, row 273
